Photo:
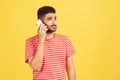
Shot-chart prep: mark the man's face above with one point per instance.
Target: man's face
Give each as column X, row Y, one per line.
column 50, row 21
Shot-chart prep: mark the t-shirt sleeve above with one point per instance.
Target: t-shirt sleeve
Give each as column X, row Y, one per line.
column 29, row 50
column 69, row 47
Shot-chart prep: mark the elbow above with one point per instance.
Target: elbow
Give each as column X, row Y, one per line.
column 70, row 67
column 35, row 67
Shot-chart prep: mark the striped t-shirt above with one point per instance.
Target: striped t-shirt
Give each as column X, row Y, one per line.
column 56, row 51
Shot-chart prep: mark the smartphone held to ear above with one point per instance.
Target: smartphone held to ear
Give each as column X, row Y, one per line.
column 39, row 22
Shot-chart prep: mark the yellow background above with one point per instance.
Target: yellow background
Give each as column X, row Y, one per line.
column 92, row 26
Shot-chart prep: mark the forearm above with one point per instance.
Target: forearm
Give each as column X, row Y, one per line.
column 37, row 59
column 70, row 69
column 71, row 73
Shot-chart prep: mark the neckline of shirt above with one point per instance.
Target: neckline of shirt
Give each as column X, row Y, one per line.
column 51, row 38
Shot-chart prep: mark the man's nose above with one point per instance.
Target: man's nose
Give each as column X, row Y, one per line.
column 54, row 21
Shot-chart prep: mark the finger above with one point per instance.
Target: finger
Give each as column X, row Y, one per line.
column 41, row 27
column 45, row 28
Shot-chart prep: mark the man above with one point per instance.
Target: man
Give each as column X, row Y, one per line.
column 49, row 54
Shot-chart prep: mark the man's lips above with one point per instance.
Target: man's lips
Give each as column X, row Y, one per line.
column 53, row 26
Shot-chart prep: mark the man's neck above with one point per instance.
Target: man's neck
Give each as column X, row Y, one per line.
column 49, row 35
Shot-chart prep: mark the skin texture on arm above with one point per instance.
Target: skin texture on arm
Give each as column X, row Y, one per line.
column 70, row 69
column 35, row 62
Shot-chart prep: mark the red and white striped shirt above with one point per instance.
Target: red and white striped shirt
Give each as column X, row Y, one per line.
column 56, row 50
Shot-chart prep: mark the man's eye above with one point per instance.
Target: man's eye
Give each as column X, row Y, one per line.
column 49, row 18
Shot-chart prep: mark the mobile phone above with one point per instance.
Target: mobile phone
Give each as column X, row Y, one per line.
column 39, row 22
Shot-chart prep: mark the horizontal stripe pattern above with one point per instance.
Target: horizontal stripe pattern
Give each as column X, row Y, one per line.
column 56, row 50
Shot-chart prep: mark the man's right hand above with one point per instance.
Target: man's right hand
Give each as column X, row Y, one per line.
column 42, row 32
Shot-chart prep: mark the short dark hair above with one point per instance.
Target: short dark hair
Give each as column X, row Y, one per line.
column 44, row 10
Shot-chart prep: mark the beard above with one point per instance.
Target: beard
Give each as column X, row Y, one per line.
column 53, row 29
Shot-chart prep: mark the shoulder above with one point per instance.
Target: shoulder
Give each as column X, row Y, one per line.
column 61, row 35
column 32, row 38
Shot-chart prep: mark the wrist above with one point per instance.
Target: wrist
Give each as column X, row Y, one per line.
column 40, row 41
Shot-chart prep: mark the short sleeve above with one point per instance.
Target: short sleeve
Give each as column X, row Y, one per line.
column 29, row 49
column 69, row 47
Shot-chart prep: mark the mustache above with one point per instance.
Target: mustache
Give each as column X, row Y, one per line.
column 53, row 25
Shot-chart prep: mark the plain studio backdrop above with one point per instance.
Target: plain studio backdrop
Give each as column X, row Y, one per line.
column 92, row 25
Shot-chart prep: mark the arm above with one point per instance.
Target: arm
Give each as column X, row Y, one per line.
column 70, row 69
column 35, row 62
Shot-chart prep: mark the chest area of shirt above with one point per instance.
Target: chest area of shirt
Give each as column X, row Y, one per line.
column 55, row 49
column 55, row 46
